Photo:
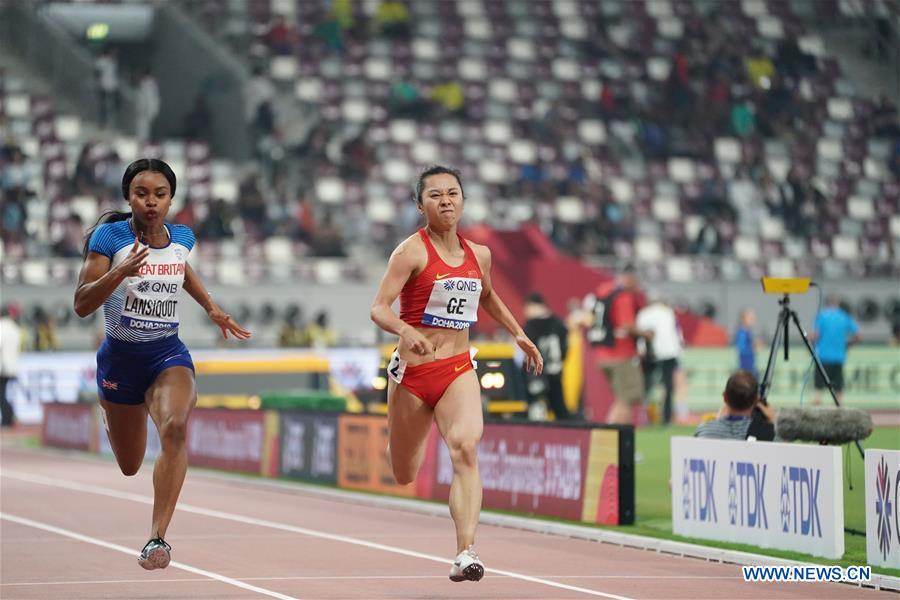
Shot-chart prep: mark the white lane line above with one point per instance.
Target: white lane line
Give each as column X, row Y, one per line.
column 339, row 578
column 199, row 510
column 130, row 551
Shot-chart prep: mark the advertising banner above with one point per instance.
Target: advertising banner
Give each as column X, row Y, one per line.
column 309, row 446
column 233, row 440
column 69, row 426
column 555, row 471
column 882, row 521
column 768, row 494
column 362, row 457
column 50, row 377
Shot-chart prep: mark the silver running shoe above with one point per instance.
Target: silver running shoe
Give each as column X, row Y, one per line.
column 467, row 566
column 155, row 555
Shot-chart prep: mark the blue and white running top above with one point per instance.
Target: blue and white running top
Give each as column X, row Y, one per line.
column 144, row 308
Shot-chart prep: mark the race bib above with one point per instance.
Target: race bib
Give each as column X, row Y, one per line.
column 151, row 301
column 453, row 303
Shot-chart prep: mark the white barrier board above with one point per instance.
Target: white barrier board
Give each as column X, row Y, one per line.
column 766, row 494
column 882, row 521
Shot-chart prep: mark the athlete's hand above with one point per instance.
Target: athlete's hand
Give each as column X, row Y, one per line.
column 227, row 324
column 534, row 362
column 417, row 342
column 137, row 258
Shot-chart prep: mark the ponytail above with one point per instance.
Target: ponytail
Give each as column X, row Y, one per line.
column 110, row 216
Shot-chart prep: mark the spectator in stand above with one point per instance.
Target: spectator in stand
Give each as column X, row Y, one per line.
column 282, row 38
column 293, row 332
column 216, row 224
column 147, row 106
column 45, row 338
column 746, row 342
column 449, row 96
column 319, row 333
column 392, row 19
column 259, row 93
column 833, row 332
column 68, row 236
column 742, row 416
column 327, row 240
column 405, row 100
column 107, row 66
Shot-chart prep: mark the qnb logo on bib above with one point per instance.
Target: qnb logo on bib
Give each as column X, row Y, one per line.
column 453, row 303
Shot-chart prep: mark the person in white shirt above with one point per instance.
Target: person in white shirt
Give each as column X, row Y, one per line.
column 10, row 345
column 663, row 352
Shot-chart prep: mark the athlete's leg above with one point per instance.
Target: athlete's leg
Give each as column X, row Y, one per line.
column 461, row 423
column 409, row 420
column 126, row 428
column 170, row 400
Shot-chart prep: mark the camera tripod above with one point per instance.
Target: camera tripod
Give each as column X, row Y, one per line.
column 786, row 315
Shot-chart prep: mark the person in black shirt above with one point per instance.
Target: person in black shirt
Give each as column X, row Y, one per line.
column 552, row 339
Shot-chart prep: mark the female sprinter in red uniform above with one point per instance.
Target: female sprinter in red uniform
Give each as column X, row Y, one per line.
column 441, row 279
column 135, row 266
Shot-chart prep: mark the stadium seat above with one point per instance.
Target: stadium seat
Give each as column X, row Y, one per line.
column 398, row 171
column 522, row 151
column 226, row 189
column 679, row 269
column 860, row 208
column 746, row 248
column 666, row 210
column 682, row 170
column 648, row 249
column 283, row 68
column 840, row 109
column 279, row 250
column 498, row 132
column 895, row 226
column 845, row 248
column 781, row 267
column 381, row 210
column 492, row 171
column 569, row 209
column 35, row 272
column 754, row 8
column 330, row 190
column 670, row 27
column 728, row 150
column 17, row 105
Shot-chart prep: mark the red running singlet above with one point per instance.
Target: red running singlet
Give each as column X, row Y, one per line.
column 440, row 295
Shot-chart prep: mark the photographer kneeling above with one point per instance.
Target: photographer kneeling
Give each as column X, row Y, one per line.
column 743, row 416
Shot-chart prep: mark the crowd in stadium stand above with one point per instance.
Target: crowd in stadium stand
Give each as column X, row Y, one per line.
column 677, row 135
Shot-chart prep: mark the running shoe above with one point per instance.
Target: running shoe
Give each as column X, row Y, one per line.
column 155, row 555
column 467, row 566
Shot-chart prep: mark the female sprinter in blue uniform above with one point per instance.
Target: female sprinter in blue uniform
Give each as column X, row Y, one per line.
column 441, row 279
column 135, row 265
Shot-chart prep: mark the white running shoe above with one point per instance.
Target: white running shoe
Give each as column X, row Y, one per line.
column 467, row 566
column 155, row 555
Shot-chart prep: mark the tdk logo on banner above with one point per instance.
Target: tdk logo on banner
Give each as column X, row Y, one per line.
column 746, row 501
column 697, row 500
column 800, row 501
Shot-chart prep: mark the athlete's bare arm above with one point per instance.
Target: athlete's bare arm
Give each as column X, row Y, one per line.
column 406, row 260
column 97, row 281
column 195, row 287
column 495, row 307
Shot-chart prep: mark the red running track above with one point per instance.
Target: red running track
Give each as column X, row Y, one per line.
column 72, row 527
